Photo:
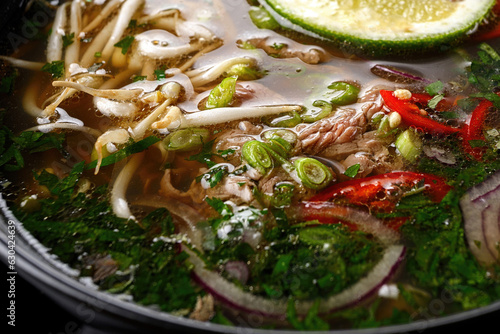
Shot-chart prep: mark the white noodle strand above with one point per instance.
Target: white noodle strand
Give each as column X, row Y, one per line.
column 127, row 11
column 119, row 189
column 55, row 43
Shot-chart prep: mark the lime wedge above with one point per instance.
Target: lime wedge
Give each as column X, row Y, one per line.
column 382, row 27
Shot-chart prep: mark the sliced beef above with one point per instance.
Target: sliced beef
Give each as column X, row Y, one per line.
column 343, row 127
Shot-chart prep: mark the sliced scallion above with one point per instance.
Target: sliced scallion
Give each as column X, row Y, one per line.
column 311, row 116
column 185, row 139
column 313, row 173
column 286, row 120
column 409, row 145
column 222, row 94
column 258, row 155
column 342, row 93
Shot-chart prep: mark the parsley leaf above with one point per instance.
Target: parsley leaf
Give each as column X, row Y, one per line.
column 159, row 73
column 434, row 88
column 353, row 170
column 55, row 68
column 435, row 100
column 125, row 43
column 134, row 147
column 14, row 148
column 68, row 39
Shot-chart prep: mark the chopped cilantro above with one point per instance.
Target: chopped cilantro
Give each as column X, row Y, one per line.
column 7, row 82
column 139, row 78
column 13, row 149
column 81, row 228
column 353, row 170
column 159, row 73
column 68, row 39
column 132, row 148
column 435, row 100
column 125, row 43
column 55, row 68
column 214, row 175
column 434, row 88
column 484, row 73
column 311, row 322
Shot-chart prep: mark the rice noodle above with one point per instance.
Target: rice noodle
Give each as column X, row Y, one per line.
column 128, row 10
column 104, row 13
column 161, row 14
column 72, row 54
column 120, row 185
column 98, row 43
column 55, row 43
column 205, row 75
column 66, row 126
column 30, row 96
column 26, row 64
column 223, row 115
column 116, row 94
column 148, row 49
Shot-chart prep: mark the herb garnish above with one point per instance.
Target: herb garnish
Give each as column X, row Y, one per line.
column 125, row 43
column 80, row 227
column 55, row 68
column 131, row 148
column 68, row 39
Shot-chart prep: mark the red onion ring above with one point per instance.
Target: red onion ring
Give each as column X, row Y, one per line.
column 235, row 297
column 481, row 212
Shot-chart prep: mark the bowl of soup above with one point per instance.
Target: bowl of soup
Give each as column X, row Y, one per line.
column 203, row 166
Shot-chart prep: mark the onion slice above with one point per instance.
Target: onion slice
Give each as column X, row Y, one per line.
column 364, row 221
column 481, row 212
column 232, row 295
column 392, row 74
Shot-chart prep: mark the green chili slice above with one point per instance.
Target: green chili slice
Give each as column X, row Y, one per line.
column 286, row 120
column 342, row 93
column 279, row 145
column 313, row 173
column 288, row 135
column 258, row 155
column 185, row 139
column 222, row 94
column 311, row 116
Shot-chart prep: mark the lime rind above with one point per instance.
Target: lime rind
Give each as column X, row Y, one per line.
column 416, row 38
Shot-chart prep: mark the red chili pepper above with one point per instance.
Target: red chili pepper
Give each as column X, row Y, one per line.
column 382, row 192
column 474, row 129
column 410, row 114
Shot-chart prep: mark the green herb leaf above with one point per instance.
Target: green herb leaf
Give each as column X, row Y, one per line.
column 353, row 170
column 68, row 39
column 55, row 68
column 125, row 43
column 159, row 73
column 7, row 82
column 434, row 88
column 133, row 148
column 435, row 100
